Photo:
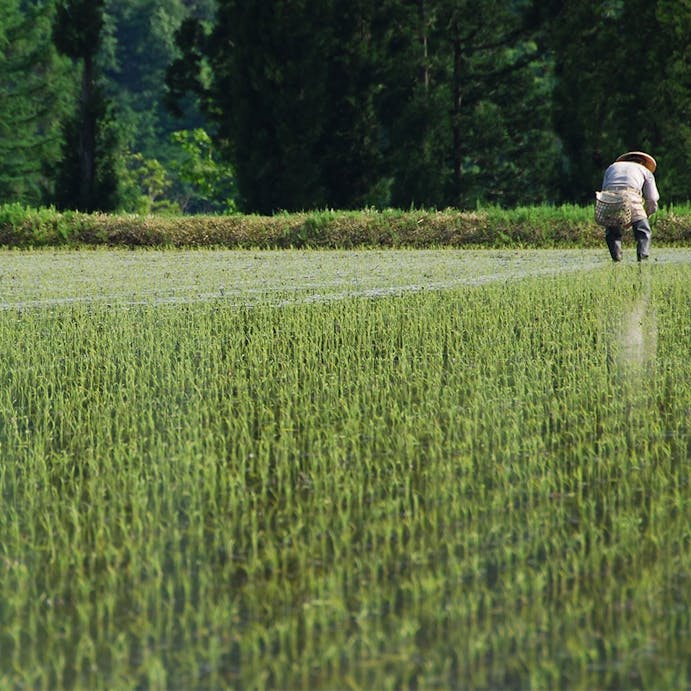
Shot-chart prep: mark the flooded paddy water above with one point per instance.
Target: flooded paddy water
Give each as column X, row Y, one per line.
column 44, row 278
column 369, row 469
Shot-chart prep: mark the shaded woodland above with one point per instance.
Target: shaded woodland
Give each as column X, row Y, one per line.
column 203, row 106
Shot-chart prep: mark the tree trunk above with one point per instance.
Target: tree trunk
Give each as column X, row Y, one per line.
column 422, row 16
column 456, row 113
column 87, row 137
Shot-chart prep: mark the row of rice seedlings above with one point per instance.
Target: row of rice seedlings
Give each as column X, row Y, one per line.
column 439, row 489
column 115, row 276
column 110, row 276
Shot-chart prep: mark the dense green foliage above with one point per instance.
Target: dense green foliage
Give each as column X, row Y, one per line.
column 35, row 96
column 345, row 105
column 426, row 491
column 425, row 104
column 87, row 178
column 624, row 83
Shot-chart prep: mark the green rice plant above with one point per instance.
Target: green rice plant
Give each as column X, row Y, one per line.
column 480, row 486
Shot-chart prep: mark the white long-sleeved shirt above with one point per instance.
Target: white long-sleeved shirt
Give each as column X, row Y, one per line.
column 629, row 175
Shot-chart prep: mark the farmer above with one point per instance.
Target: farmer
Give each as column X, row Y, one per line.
column 632, row 175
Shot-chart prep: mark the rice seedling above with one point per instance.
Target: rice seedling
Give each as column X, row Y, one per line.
column 63, row 277
column 472, row 485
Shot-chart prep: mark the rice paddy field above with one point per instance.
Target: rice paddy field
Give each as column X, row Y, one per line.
column 344, row 470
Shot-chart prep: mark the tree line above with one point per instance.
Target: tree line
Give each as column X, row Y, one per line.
column 226, row 105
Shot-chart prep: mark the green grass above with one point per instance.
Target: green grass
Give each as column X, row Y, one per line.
column 545, row 226
column 477, row 486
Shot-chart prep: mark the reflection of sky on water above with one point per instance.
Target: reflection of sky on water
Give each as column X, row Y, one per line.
column 50, row 278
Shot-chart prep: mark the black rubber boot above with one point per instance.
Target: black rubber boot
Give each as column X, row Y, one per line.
column 642, row 233
column 615, row 250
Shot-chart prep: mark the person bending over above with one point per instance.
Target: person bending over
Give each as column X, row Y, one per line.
column 632, row 176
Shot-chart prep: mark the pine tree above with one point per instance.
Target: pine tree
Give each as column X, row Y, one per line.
column 433, row 102
column 630, row 89
column 267, row 98
column 292, row 94
column 671, row 101
column 34, row 94
column 88, row 178
column 472, row 113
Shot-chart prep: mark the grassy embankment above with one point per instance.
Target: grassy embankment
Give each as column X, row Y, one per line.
column 541, row 226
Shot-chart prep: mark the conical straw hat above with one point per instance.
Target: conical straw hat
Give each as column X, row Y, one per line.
column 640, row 157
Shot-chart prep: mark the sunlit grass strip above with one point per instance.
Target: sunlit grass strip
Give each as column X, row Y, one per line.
column 438, row 489
column 540, row 227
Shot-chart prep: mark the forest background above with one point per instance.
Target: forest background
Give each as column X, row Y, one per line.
column 225, row 106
